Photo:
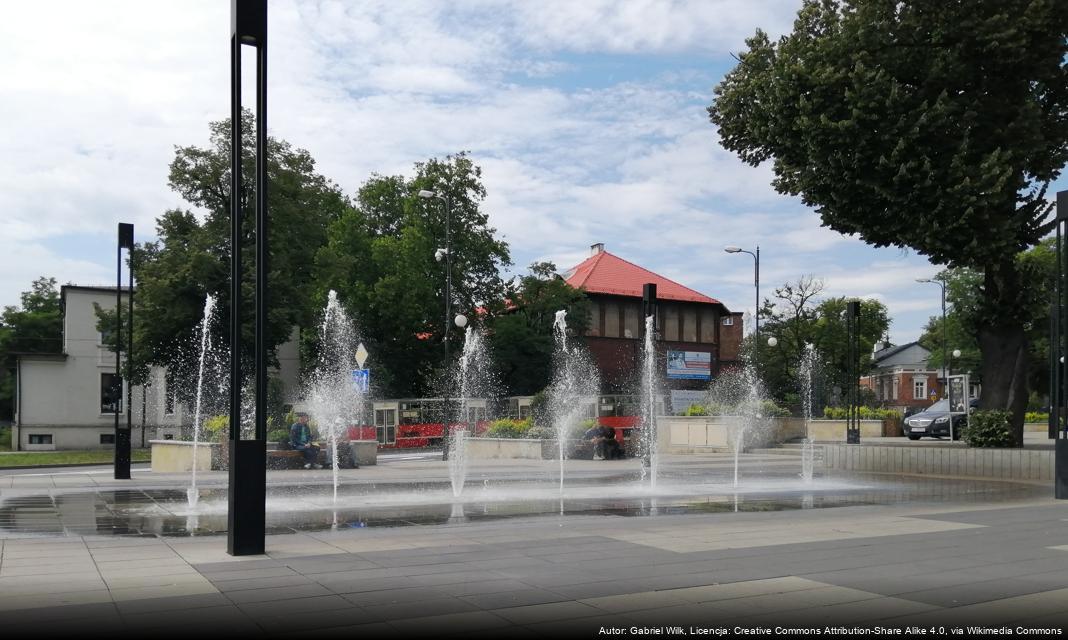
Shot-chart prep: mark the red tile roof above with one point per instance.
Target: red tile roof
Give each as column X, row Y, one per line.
column 607, row 273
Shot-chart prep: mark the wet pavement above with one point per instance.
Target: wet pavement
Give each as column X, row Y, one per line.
column 399, row 556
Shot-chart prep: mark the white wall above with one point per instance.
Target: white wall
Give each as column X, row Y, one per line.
column 61, row 396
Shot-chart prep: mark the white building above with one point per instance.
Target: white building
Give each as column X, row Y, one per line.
column 65, row 400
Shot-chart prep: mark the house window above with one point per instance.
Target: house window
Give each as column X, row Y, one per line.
column 632, row 326
column 708, row 326
column 671, row 322
column 689, row 324
column 107, row 438
column 893, row 391
column 110, row 393
column 168, row 393
column 728, row 321
column 919, row 389
column 611, row 320
column 40, row 438
column 595, row 318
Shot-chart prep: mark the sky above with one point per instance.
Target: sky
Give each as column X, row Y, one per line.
column 588, row 119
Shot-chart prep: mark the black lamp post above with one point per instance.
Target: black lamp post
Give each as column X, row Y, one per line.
column 122, row 436
column 1058, row 379
column 246, row 517
column 447, row 255
column 853, row 372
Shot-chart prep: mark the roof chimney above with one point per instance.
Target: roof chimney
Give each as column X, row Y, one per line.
column 596, row 248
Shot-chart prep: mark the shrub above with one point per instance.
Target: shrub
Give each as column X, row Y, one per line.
column 216, row 429
column 769, row 409
column 696, row 410
column 508, row 428
column 1036, row 416
column 865, row 413
column 5, row 438
column 278, row 435
column 990, row 428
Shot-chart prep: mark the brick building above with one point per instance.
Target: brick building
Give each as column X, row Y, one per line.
column 698, row 336
column 901, row 379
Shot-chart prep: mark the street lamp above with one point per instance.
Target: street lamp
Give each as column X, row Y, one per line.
column 445, row 253
column 756, row 280
column 772, row 341
column 945, row 360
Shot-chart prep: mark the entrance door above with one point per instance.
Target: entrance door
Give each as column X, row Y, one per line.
column 386, row 426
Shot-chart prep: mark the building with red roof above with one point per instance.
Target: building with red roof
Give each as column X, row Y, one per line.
column 697, row 336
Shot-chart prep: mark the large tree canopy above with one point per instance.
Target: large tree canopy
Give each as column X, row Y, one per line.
column 936, row 126
column 380, row 258
column 191, row 259
column 800, row 318
column 521, row 335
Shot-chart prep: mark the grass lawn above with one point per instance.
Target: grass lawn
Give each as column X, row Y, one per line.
column 32, row 458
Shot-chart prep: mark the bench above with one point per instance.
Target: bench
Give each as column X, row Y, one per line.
column 293, row 459
column 284, row 459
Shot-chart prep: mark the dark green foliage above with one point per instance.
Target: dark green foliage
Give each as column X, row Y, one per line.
column 522, row 333
column 932, row 126
column 989, row 429
column 379, row 257
column 191, row 258
column 796, row 319
column 964, row 317
column 36, row 326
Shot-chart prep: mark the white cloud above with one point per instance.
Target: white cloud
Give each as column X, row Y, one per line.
column 569, row 159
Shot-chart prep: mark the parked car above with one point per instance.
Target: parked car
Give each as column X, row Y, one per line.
column 935, row 420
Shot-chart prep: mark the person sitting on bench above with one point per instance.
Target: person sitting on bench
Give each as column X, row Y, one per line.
column 605, row 446
column 300, row 439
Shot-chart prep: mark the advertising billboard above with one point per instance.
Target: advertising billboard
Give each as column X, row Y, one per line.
column 689, row 365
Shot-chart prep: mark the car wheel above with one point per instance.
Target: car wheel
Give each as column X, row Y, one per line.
column 912, row 437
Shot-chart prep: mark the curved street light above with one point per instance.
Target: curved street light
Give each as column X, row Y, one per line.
column 756, row 281
column 945, row 360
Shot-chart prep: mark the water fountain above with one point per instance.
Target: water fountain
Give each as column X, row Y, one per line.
column 332, row 397
column 741, row 392
column 473, row 379
column 208, row 374
column 575, row 378
column 807, row 369
column 649, row 392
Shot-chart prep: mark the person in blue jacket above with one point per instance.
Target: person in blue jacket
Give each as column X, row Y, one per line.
column 300, row 438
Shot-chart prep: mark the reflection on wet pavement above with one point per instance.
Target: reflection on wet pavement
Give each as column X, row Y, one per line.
column 165, row 512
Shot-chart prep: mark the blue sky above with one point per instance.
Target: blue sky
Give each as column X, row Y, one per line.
column 588, row 119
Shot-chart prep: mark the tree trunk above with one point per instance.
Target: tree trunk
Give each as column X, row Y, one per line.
column 1005, row 347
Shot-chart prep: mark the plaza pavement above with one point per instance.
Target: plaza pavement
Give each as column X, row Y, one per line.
column 959, row 562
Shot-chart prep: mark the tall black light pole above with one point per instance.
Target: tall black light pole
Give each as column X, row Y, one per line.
column 945, row 361
column 122, row 436
column 1057, row 348
column 756, row 283
column 448, row 308
column 852, row 372
column 246, row 517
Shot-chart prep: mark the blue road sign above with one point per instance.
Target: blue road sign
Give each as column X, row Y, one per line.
column 361, row 379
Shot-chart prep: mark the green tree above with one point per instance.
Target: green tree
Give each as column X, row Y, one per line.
column 191, row 259
column 521, row 334
column 934, row 126
column 36, row 326
column 800, row 318
column 380, row 258
column 964, row 316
